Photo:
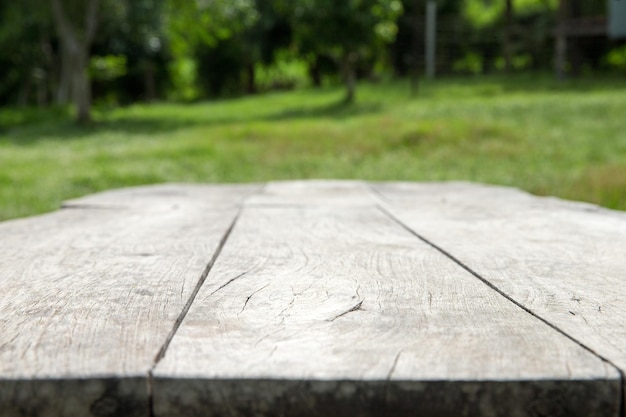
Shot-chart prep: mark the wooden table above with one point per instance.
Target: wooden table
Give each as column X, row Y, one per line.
column 314, row 298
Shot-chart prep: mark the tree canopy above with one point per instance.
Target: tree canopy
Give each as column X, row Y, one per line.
column 347, row 31
column 128, row 50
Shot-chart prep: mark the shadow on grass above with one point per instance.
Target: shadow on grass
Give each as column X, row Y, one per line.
column 338, row 110
column 527, row 83
column 30, row 126
column 67, row 130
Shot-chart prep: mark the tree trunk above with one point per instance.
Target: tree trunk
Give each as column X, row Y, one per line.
column 348, row 70
column 42, row 89
column 150, row 81
column 315, row 72
column 250, row 78
column 560, row 47
column 576, row 58
column 75, row 44
column 64, row 87
column 51, row 71
column 24, row 92
column 414, row 80
column 81, row 88
column 508, row 35
column 414, row 69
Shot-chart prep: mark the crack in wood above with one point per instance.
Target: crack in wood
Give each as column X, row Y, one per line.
column 449, row 255
column 296, row 294
column 281, row 314
column 269, row 334
column 393, row 365
column 230, row 281
column 245, row 304
column 356, row 307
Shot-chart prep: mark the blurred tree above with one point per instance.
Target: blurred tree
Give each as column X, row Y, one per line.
column 194, row 22
column 270, row 32
column 237, row 41
column 408, row 50
column 507, row 47
column 27, row 53
column 145, row 27
column 135, row 30
column 560, row 47
column 220, row 68
column 76, row 23
column 347, row 31
column 525, row 27
column 194, row 27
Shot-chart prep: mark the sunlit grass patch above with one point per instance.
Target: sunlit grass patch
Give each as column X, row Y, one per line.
column 563, row 139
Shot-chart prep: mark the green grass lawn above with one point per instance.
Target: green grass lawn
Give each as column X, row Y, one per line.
column 564, row 139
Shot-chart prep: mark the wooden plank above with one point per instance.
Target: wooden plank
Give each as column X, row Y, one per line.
column 564, row 261
column 167, row 195
column 314, row 192
column 339, row 311
column 89, row 296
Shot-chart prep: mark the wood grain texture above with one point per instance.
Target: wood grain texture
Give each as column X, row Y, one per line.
column 168, row 195
column 314, row 193
column 90, row 295
column 564, row 261
column 339, row 311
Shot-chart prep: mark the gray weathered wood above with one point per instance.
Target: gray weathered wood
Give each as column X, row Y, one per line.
column 314, row 193
column 564, row 261
column 167, row 195
column 89, row 296
column 339, row 311
column 320, row 304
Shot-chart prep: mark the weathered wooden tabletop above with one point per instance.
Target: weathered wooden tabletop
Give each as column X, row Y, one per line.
column 314, row 298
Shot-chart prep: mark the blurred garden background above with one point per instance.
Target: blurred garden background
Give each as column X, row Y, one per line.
column 100, row 94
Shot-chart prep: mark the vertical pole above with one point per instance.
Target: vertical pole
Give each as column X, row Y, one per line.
column 617, row 19
column 416, row 52
column 431, row 37
column 560, row 47
column 508, row 33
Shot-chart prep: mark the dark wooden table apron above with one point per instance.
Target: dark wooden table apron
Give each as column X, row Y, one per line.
column 314, row 298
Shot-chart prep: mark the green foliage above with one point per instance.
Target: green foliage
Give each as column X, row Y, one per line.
column 350, row 32
column 24, row 29
column 348, row 26
column 183, row 72
column 107, row 68
column 287, row 72
column 518, row 62
column 481, row 14
column 204, row 31
column 616, row 58
column 387, row 13
column 484, row 13
column 137, row 30
column 471, row 63
column 195, row 22
column 199, row 48
column 220, row 68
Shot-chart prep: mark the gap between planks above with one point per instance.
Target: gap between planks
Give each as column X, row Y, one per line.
column 377, row 196
column 388, row 213
column 161, row 354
